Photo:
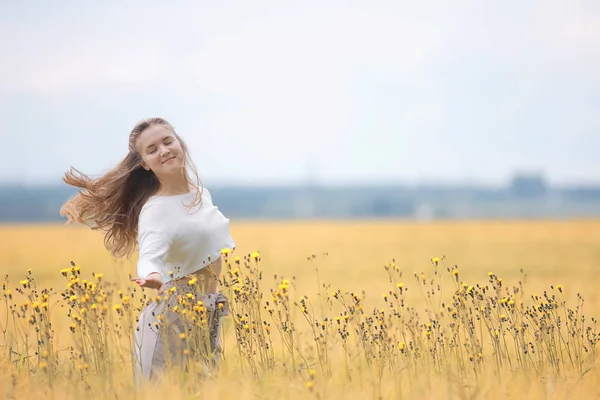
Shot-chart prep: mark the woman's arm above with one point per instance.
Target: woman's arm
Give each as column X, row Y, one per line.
column 152, row 281
column 153, row 246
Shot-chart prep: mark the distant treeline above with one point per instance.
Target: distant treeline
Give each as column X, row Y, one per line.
column 523, row 198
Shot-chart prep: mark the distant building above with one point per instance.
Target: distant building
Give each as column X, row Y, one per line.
column 528, row 185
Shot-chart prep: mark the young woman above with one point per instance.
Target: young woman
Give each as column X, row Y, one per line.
column 150, row 201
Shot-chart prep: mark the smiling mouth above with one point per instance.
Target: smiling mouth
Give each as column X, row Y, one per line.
column 167, row 160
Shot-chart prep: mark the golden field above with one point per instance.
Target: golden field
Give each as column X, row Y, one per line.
column 364, row 261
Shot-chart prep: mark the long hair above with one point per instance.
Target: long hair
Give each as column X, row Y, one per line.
column 113, row 201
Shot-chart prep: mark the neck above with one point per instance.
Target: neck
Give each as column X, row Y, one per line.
column 173, row 185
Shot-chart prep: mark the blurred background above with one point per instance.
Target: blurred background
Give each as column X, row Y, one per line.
column 330, row 110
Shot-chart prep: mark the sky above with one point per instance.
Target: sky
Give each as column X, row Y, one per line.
column 336, row 92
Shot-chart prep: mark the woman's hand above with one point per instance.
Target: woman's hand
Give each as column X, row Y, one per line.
column 152, row 281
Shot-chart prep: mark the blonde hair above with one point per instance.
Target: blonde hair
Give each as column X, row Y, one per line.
column 113, row 201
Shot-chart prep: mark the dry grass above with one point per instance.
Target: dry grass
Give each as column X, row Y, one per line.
column 350, row 258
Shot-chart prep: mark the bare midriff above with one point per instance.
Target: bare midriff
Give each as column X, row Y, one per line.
column 206, row 278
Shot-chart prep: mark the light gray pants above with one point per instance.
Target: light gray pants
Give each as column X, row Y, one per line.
column 167, row 336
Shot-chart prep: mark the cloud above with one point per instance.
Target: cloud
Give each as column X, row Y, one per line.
column 293, row 84
column 388, row 89
column 58, row 68
column 272, row 58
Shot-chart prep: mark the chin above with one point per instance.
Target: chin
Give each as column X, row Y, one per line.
column 171, row 167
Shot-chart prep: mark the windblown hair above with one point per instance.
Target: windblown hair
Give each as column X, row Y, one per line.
column 113, row 202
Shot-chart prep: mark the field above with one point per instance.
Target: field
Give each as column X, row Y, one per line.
column 392, row 310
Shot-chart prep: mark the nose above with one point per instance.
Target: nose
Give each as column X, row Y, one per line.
column 164, row 151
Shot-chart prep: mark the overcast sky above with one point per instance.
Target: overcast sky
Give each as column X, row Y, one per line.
column 282, row 92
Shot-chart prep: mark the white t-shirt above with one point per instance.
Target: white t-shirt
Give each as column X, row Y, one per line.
column 173, row 238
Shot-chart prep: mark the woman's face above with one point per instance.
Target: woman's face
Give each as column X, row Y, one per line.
column 161, row 151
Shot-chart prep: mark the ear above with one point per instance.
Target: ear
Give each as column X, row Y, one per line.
column 145, row 166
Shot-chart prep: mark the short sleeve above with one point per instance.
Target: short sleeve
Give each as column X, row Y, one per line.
column 152, row 246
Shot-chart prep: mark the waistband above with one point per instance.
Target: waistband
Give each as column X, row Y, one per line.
column 210, row 299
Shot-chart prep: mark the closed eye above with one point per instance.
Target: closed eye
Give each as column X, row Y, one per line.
column 152, row 148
